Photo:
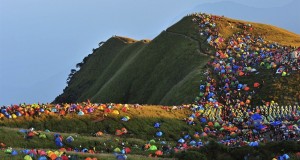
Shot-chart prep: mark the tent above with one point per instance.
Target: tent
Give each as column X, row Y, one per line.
column 256, row 117
column 152, row 141
column 42, row 158
column 127, row 150
column 42, row 153
column 253, row 144
column 126, row 118
column 14, row 152
column 8, row 150
column 275, row 123
column 153, row 148
column 117, row 150
column 70, row 139
column 118, row 132
column 256, row 84
column 116, row 112
column 159, row 134
column 203, row 120
column 42, row 135
column 80, row 113
column 156, row 125
column 121, row 157
column 99, row 133
column 159, row 153
column 181, row 140
column 193, row 143
column 27, row 157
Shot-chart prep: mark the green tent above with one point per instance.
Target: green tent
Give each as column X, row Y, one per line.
column 8, row 151
column 27, row 157
column 42, row 135
column 152, row 141
column 217, row 125
column 153, row 148
column 117, row 150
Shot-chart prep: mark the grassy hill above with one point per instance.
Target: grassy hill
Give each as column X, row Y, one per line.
column 168, row 69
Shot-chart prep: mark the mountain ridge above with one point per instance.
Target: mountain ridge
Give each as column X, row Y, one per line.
column 124, row 70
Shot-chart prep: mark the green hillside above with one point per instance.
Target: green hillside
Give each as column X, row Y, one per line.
column 165, row 70
column 168, row 69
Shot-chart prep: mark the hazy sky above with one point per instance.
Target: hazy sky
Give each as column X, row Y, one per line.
column 42, row 40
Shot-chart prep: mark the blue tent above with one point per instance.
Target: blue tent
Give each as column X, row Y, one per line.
column 121, row 157
column 70, row 139
column 253, row 144
column 14, row 152
column 85, row 150
column 202, row 87
column 285, row 156
column 25, row 151
column 57, row 139
column 193, row 143
column 159, row 134
column 156, row 125
column 199, row 143
column 256, row 117
column 23, row 130
column 59, row 143
column 80, row 113
column 203, row 120
column 181, row 140
column 42, row 158
column 187, row 136
column 259, row 127
column 275, row 123
column 125, row 119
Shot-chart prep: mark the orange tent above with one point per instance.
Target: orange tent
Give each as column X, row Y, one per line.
column 241, row 73
column 52, row 156
column 99, row 133
column 246, row 88
column 242, row 103
column 62, row 112
column 256, row 84
column 247, row 101
column 159, row 152
column 119, row 132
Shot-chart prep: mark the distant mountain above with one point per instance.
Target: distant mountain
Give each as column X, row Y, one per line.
column 168, row 69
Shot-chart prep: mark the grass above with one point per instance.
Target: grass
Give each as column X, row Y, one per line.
column 269, row 32
column 139, row 127
column 149, row 72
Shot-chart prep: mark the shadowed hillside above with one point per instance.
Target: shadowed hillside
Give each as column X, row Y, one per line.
column 168, row 69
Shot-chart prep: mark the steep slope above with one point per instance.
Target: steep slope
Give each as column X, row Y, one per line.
column 168, row 69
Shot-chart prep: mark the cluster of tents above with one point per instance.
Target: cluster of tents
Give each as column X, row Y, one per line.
column 15, row 111
column 31, row 154
column 224, row 101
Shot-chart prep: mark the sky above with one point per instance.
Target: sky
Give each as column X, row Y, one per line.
column 41, row 41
